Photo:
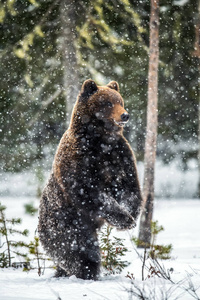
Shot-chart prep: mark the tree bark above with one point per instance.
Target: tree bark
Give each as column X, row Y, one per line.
column 196, row 53
column 68, row 35
column 151, row 131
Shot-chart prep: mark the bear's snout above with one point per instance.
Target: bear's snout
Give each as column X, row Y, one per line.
column 125, row 117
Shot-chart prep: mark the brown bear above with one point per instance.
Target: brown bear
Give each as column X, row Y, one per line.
column 93, row 180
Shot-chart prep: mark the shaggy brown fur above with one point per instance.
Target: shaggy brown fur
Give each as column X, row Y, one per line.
column 94, row 179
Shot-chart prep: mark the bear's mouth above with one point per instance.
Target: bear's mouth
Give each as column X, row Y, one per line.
column 121, row 123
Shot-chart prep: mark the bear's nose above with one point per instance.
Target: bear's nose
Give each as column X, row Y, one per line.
column 125, row 117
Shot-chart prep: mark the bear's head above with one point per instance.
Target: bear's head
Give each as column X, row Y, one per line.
column 101, row 106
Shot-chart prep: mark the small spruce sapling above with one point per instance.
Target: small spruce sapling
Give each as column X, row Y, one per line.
column 158, row 251
column 112, row 250
column 155, row 250
column 9, row 247
column 37, row 255
column 155, row 253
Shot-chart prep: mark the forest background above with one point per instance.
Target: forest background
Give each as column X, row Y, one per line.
column 48, row 48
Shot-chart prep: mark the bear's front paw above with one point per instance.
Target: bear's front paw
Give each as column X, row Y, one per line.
column 127, row 223
column 122, row 220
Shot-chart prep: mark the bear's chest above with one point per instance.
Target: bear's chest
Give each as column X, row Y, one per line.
column 107, row 162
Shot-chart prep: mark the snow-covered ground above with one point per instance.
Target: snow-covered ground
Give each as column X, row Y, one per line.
column 181, row 222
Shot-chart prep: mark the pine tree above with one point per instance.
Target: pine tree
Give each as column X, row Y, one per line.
column 35, row 255
column 8, row 246
column 112, row 250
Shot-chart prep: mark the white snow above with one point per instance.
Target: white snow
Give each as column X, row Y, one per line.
column 181, row 2
column 171, row 181
column 181, row 222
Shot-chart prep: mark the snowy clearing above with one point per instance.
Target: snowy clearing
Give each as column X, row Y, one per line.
column 181, row 222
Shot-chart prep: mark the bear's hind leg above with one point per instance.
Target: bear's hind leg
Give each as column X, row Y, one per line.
column 91, row 260
column 82, row 267
column 88, row 259
column 89, row 269
column 60, row 272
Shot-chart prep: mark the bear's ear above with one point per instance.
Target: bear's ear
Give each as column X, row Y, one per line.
column 113, row 85
column 89, row 87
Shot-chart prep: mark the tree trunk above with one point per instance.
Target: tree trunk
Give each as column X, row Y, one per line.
column 71, row 80
column 151, row 131
column 196, row 53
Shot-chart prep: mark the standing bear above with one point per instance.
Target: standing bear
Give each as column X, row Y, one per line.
column 93, row 180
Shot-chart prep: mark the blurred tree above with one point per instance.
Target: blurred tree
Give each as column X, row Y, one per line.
column 151, row 131
column 69, row 15
column 196, row 54
column 178, row 82
column 30, row 82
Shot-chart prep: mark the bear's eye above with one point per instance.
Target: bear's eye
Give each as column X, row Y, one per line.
column 109, row 104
